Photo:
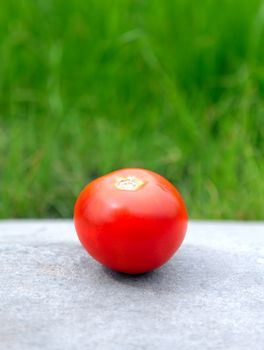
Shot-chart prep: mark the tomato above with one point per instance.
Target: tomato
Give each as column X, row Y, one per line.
column 131, row 220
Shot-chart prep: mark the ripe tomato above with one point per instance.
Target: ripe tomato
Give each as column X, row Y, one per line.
column 131, row 220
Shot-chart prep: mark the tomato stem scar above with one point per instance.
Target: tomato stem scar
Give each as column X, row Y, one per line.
column 128, row 183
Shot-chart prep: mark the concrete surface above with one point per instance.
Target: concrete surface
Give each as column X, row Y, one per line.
column 54, row 296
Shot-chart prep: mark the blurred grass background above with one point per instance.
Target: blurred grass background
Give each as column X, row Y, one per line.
column 88, row 86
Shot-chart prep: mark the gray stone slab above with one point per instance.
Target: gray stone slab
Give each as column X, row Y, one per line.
column 54, row 296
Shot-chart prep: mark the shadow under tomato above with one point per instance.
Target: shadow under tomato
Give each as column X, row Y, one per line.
column 122, row 276
column 155, row 280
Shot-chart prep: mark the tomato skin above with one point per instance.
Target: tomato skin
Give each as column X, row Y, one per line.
column 131, row 231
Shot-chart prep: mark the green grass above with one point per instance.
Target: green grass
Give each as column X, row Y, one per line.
column 87, row 87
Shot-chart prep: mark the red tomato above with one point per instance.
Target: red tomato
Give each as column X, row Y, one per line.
column 131, row 220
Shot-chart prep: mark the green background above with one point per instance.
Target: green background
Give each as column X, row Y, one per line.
column 90, row 86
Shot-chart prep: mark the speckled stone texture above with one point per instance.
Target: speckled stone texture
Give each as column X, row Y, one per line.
column 54, row 296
